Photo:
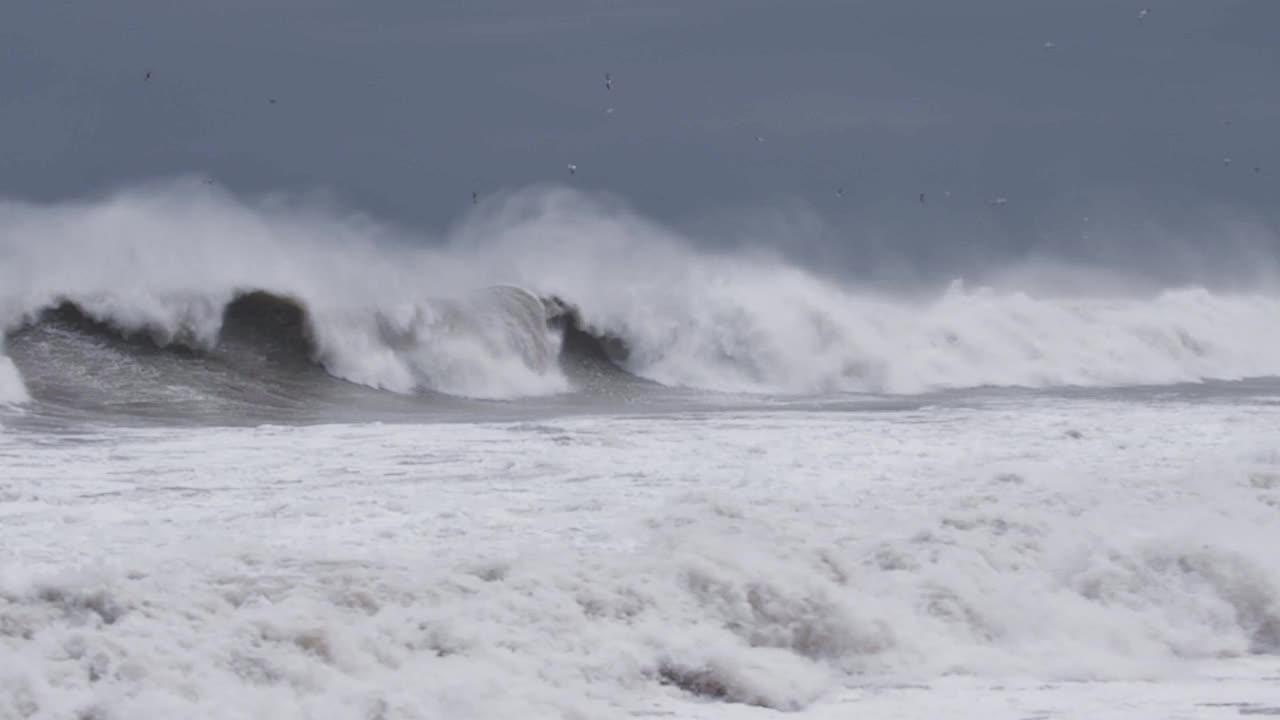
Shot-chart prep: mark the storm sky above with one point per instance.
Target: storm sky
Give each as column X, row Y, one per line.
column 1075, row 111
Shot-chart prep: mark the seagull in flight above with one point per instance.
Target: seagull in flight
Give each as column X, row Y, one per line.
column 840, row 191
column 573, row 168
column 1142, row 14
column 608, row 81
column 148, row 77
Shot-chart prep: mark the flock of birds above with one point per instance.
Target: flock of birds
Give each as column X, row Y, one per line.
column 572, row 168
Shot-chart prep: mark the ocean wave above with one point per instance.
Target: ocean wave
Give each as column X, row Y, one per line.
column 492, row 344
column 397, row 313
column 793, row 334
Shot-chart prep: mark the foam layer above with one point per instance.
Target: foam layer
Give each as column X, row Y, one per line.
column 587, row 567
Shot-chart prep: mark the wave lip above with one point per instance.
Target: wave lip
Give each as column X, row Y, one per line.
column 754, row 334
column 493, row 344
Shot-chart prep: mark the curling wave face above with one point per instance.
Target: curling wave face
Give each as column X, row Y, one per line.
column 260, row 352
column 151, row 287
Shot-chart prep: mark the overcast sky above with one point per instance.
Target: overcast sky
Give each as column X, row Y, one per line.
column 402, row 109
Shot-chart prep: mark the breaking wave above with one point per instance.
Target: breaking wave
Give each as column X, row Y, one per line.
column 493, row 343
column 184, row 266
column 810, row 337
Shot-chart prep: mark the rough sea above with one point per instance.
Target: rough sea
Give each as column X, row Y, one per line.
column 264, row 464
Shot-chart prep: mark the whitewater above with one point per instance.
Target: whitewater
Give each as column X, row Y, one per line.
column 467, row 316
column 266, row 458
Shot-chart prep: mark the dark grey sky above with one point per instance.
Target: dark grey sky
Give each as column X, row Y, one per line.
column 403, row 108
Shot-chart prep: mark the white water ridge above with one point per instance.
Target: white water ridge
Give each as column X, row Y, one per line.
column 406, row 314
column 791, row 333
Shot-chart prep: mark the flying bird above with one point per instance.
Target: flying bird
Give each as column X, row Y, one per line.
column 1000, row 201
column 608, row 81
column 1142, row 14
column 148, row 77
column 921, row 198
column 572, row 168
column 1050, row 45
column 840, row 192
column 474, row 197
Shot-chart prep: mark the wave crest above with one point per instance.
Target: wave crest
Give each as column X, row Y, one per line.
column 185, row 267
column 776, row 330
column 492, row 344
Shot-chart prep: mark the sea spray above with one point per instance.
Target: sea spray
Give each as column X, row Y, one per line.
column 410, row 314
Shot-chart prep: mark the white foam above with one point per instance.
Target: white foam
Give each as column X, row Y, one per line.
column 760, row 330
column 751, row 322
column 493, row 345
column 396, row 312
column 12, row 390
column 592, row 567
